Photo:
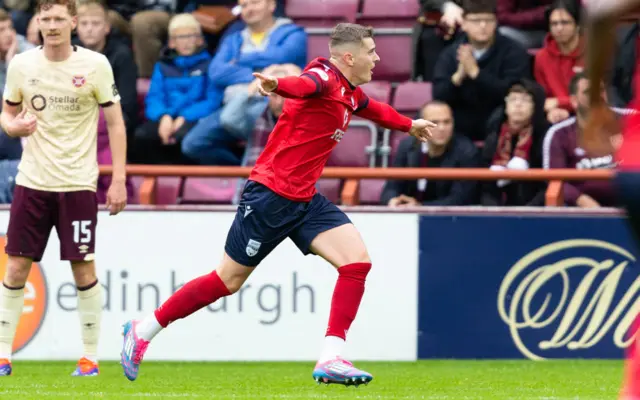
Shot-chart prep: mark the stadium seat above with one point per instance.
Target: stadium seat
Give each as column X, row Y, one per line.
column 390, row 142
column 370, row 191
column 411, row 96
column 321, row 13
column 317, row 46
column 330, row 188
column 357, row 147
column 167, row 190
column 378, row 90
column 143, row 88
column 209, row 190
column 389, row 13
column 395, row 57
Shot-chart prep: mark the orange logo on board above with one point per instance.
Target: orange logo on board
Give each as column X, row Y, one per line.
column 35, row 302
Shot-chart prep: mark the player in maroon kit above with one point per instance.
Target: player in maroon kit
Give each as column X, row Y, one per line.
column 280, row 200
column 602, row 136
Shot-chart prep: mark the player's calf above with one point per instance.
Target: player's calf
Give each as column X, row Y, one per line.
column 11, row 305
column 193, row 296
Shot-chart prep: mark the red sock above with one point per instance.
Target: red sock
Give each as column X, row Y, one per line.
column 194, row 295
column 346, row 298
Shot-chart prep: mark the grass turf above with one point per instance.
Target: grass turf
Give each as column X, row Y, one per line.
column 430, row 380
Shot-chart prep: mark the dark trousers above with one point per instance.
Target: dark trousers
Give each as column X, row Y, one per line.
column 149, row 149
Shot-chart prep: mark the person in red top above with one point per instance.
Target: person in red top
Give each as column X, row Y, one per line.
column 560, row 58
column 280, row 200
column 603, row 135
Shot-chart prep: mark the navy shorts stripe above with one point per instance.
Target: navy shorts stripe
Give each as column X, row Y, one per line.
column 264, row 219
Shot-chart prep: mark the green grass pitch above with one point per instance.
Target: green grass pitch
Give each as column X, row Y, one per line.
column 430, row 380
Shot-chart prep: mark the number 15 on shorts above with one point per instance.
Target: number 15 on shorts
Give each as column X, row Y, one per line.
column 81, row 231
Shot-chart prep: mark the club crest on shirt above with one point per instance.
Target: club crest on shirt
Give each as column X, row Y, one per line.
column 79, row 81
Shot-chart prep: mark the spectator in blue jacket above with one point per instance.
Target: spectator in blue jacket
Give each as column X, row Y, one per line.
column 179, row 94
column 265, row 41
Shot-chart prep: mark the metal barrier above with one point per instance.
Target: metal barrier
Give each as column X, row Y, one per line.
column 353, row 175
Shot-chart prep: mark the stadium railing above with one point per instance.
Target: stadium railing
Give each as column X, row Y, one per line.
column 353, row 175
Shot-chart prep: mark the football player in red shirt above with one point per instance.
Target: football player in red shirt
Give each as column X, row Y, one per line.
column 602, row 136
column 280, row 200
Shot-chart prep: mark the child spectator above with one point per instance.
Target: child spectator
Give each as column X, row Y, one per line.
column 179, row 94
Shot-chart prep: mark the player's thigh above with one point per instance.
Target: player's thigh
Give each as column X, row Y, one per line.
column 76, row 223
column 232, row 273
column 263, row 220
column 328, row 233
column 31, row 219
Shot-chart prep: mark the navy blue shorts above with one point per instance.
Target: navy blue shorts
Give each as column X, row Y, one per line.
column 627, row 184
column 264, row 219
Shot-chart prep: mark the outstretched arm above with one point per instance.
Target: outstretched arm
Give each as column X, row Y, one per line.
column 601, row 38
column 388, row 117
column 289, row 86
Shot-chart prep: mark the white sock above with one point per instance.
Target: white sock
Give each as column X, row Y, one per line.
column 148, row 327
column 333, row 347
column 90, row 312
column 92, row 358
column 11, row 304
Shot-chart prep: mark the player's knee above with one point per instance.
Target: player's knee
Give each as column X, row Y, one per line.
column 17, row 271
column 84, row 273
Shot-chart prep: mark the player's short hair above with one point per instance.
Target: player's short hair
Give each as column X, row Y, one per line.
column 345, row 33
column 573, row 84
column 44, row 5
column 86, row 5
column 479, row 7
column 185, row 20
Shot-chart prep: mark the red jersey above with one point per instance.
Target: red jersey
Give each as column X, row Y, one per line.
column 317, row 110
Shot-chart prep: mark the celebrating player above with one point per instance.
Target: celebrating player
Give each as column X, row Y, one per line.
column 603, row 135
column 280, row 200
column 52, row 98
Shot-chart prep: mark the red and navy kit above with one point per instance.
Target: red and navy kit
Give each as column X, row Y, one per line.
column 316, row 114
column 280, row 200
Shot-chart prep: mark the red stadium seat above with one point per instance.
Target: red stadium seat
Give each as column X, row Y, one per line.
column 330, row 188
column 395, row 57
column 317, row 46
column 370, row 191
column 167, row 190
column 389, row 13
column 209, row 190
column 378, row 90
column 321, row 13
column 357, row 147
column 390, row 142
column 411, row 96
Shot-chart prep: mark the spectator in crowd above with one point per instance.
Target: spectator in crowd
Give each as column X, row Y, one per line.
column 560, row 58
column 474, row 74
column 11, row 43
column 179, row 94
column 626, row 69
column 21, row 12
column 445, row 149
column 265, row 41
column 524, row 21
column 33, row 33
column 437, row 27
column 263, row 126
column 515, row 142
column 561, row 150
column 119, row 13
column 94, row 33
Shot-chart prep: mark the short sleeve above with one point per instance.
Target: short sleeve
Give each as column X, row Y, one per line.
column 12, row 88
column 105, row 89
